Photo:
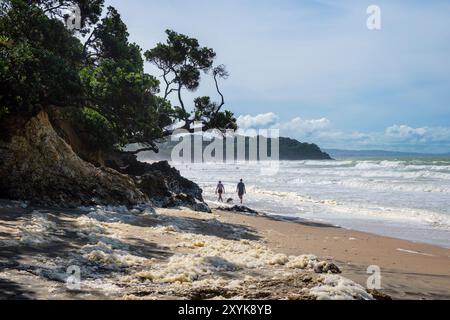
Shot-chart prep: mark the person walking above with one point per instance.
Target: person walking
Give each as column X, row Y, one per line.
column 240, row 189
column 219, row 190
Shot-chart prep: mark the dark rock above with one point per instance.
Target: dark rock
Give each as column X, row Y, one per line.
column 154, row 186
column 377, row 295
column 230, row 200
column 326, row 267
column 201, row 207
column 240, row 209
column 165, row 186
column 162, row 180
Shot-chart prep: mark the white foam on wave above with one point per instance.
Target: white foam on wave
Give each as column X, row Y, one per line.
column 403, row 214
column 410, row 193
column 405, row 186
column 414, row 252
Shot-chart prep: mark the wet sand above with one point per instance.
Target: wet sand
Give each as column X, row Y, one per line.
column 409, row 270
column 181, row 254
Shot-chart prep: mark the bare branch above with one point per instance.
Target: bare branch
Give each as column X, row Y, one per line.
column 219, row 72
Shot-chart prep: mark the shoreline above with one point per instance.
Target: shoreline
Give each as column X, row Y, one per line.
column 400, row 199
column 181, row 254
column 301, row 220
column 412, row 270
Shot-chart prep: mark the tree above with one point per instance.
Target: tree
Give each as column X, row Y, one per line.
column 182, row 60
column 90, row 10
column 39, row 61
column 118, row 88
column 62, row 100
column 100, row 86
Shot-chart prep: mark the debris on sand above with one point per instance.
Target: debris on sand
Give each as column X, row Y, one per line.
column 240, row 209
column 326, row 267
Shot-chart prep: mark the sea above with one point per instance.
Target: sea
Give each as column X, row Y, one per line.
column 403, row 198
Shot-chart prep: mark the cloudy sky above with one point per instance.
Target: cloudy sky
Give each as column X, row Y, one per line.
column 314, row 70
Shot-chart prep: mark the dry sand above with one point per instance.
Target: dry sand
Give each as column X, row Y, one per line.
column 180, row 254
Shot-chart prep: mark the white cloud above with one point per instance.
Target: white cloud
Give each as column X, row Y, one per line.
column 421, row 135
column 321, row 131
column 264, row 120
column 317, row 55
column 306, row 127
column 405, row 132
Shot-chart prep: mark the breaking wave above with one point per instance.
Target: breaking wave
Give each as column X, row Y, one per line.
column 414, row 193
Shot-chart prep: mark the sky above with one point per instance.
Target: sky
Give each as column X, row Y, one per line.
column 315, row 71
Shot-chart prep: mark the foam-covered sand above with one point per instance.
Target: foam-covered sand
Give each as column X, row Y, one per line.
column 143, row 253
column 140, row 253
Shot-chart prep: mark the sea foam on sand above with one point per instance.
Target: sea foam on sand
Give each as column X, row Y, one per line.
column 334, row 287
column 39, row 230
column 110, row 263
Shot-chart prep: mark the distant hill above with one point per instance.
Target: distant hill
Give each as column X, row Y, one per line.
column 339, row 153
column 290, row 149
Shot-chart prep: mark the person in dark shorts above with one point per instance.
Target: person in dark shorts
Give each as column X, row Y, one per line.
column 240, row 189
column 219, row 190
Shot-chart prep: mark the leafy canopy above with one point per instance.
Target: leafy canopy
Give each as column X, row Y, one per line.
column 182, row 60
column 100, row 84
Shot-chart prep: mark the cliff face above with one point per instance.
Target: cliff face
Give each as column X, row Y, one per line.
column 37, row 165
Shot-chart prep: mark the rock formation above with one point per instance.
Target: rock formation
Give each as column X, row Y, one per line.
column 162, row 183
column 39, row 166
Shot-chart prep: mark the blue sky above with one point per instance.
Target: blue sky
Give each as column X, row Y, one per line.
column 314, row 70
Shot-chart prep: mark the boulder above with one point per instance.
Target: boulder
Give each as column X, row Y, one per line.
column 164, row 185
column 326, row 267
column 160, row 179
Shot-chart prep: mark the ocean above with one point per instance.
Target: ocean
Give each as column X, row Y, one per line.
column 406, row 198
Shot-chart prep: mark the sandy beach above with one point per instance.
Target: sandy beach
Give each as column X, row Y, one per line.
column 181, row 254
column 409, row 270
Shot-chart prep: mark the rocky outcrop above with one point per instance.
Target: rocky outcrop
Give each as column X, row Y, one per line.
column 39, row 166
column 165, row 186
column 162, row 183
column 173, row 181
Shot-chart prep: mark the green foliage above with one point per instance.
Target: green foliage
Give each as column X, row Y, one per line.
column 119, row 89
column 100, row 85
column 291, row 149
column 90, row 10
column 183, row 56
column 110, row 38
column 39, row 62
column 95, row 128
column 182, row 61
